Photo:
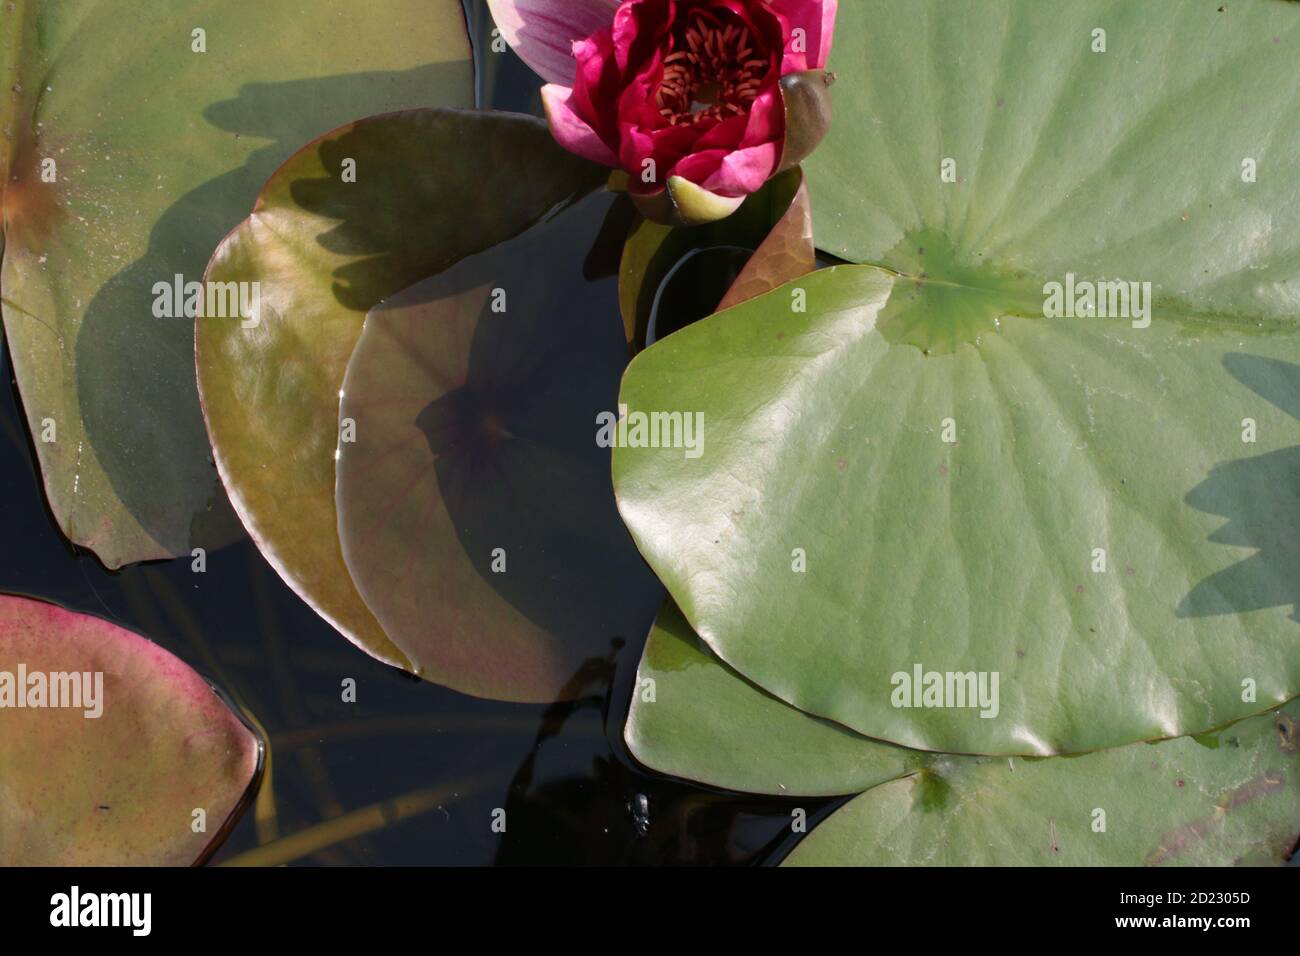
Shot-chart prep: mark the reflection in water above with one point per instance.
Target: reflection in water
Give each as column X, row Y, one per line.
column 693, row 288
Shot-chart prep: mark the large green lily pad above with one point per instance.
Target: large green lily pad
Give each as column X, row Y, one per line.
column 140, row 764
column 692, row 716
column 1221, row 798
column 950, row 463
column 157, row 150
column 823, row 449
column 476, row 511
column 1125, row 163
column 432, row 186
column 1226, row 799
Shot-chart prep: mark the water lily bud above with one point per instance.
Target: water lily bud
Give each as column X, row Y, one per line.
column 699, row 102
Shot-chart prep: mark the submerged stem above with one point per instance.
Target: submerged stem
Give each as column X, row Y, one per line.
column 370, row 819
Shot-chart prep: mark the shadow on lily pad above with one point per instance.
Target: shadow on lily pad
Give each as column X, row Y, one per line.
column 1259, row 497
column 135, row 370
column 476, row 508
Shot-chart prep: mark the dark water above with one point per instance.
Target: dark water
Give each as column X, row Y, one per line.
column 571, row 792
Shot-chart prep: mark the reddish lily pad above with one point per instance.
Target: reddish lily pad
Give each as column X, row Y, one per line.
column 141, row 764
column 431, row 187
column 476, row 508
column 787, row 253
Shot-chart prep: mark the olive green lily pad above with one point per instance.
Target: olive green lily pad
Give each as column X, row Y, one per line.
column 112, row 751
column 133, row 135
column 1231, row 798
column 431, row 187
column 1098, row 511
column 476, row 511
column 692, row 716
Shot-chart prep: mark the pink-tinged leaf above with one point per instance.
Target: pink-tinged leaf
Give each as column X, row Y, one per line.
column 543, row 32
column 786, row 254
column 119, row 777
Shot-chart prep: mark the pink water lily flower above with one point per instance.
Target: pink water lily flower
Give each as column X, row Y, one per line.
column 700, row 102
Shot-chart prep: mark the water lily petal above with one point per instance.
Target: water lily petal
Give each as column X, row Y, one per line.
column 543, row 32
column 570, row 130
column 596, row 85
column 613, row 113
column 736, row 173
column 766, row 118
column 640, row 27
column 817, row 19
column 697, row 206
column 683, row 203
